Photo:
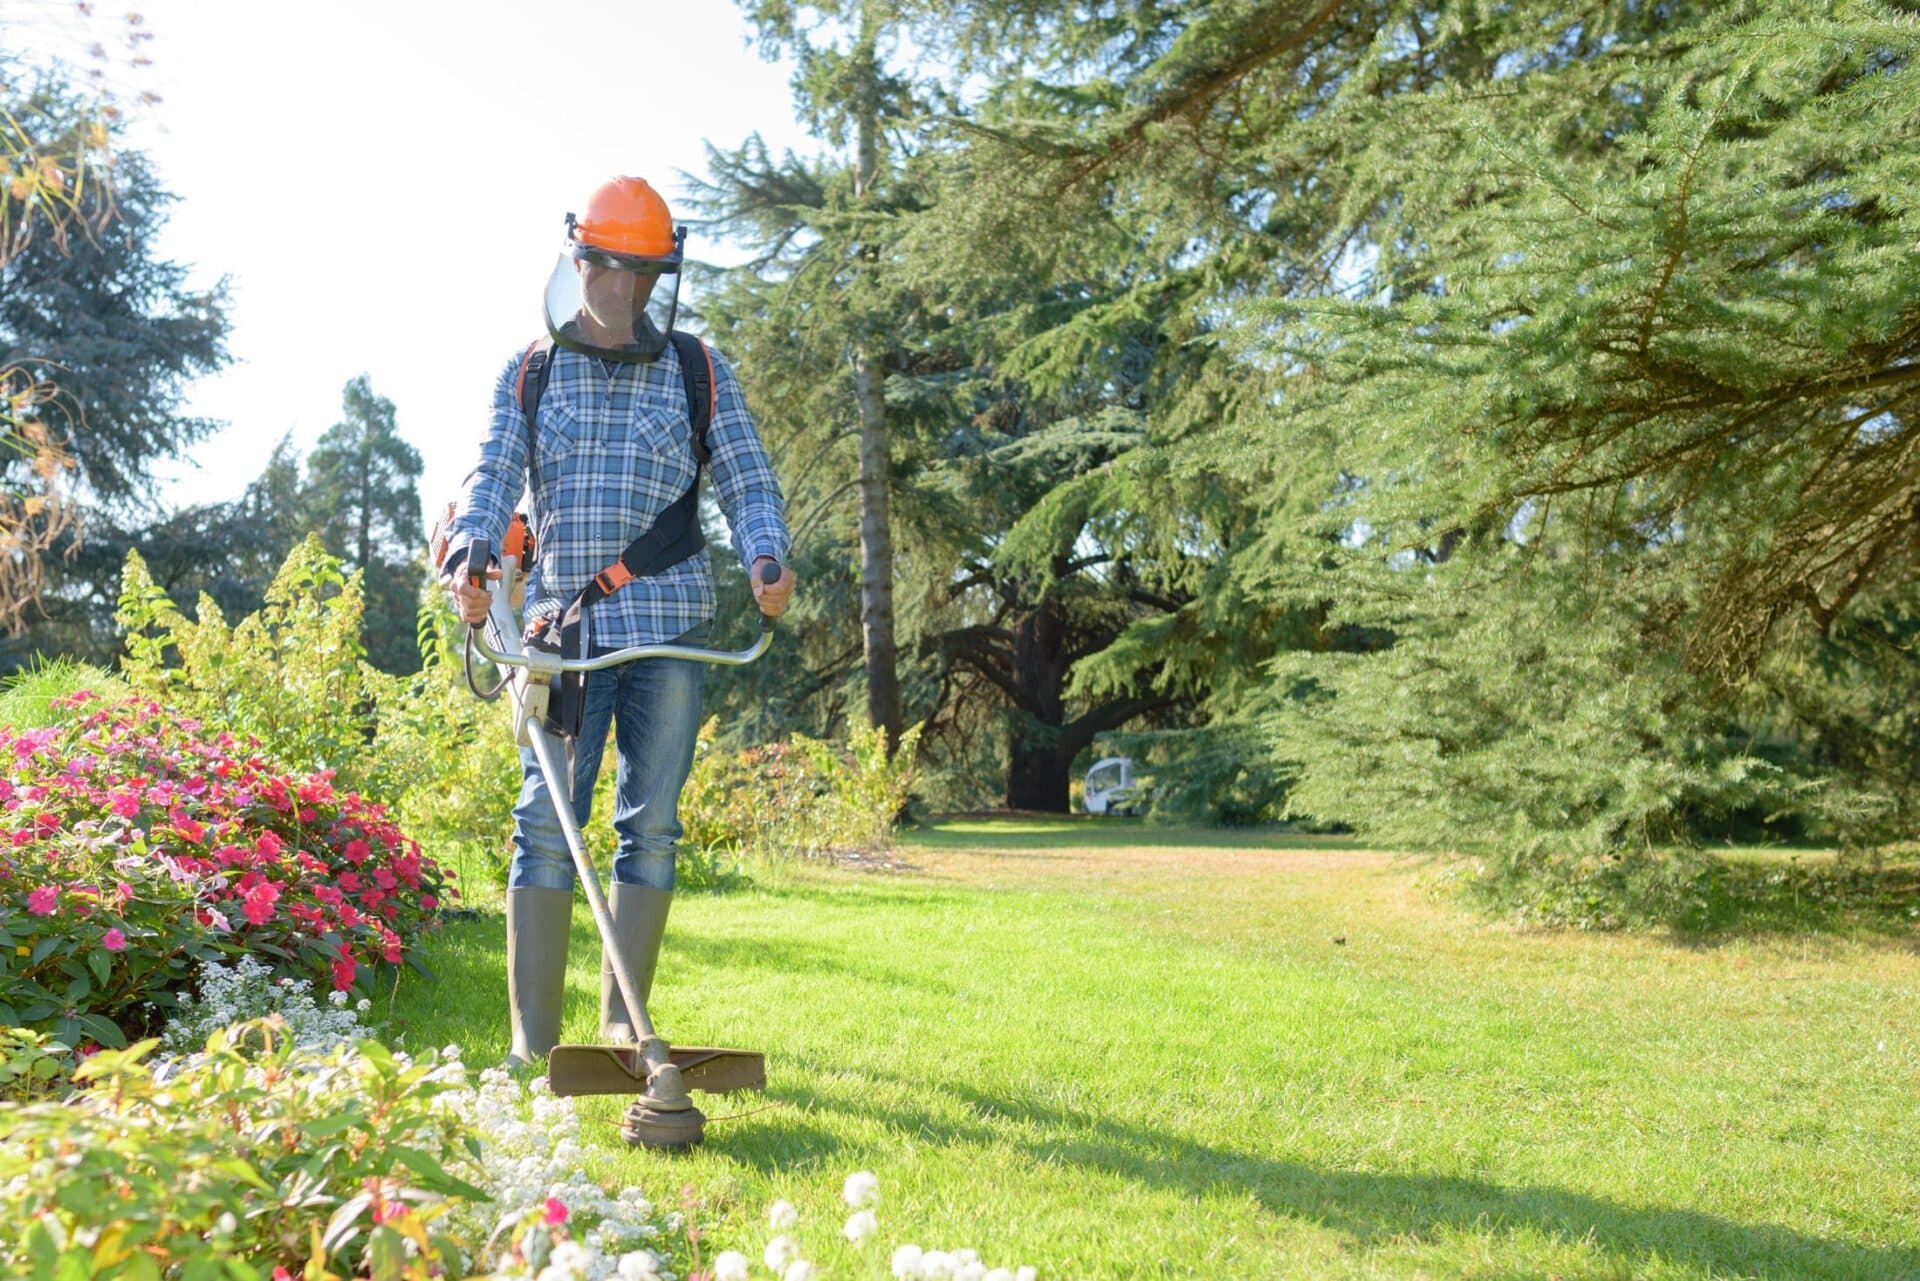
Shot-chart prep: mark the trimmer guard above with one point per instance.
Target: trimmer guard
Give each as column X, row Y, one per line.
column 619, row 1069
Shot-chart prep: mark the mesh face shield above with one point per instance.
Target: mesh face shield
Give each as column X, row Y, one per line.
column 611, row 305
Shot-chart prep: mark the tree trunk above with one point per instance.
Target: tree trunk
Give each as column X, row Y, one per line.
column 876, row 528
column 1039, row 753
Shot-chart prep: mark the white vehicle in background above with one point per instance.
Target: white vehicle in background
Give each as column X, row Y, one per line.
column 1111, row 787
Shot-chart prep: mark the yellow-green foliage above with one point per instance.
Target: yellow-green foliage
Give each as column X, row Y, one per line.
column 802, row 796
column 38, row 696
column 448, row 758
column 293, row 675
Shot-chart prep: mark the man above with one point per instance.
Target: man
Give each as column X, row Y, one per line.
column 609, row 455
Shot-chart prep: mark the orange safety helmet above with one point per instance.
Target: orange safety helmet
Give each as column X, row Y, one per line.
column 626, row 216
column 609, row 295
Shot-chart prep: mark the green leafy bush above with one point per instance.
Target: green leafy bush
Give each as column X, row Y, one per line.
column 803, row 796
column 292, row 675
column 447, row 758
column 254, row 1155
column 32, row 1065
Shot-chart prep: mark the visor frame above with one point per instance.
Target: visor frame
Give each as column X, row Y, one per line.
column 624, row 262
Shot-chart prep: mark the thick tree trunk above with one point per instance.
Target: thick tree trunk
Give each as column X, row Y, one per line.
column 876, row 528
column 1039, row 752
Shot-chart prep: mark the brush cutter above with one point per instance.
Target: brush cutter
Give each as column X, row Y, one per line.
column 662, row 1114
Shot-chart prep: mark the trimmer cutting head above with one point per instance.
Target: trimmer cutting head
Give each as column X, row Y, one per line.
column 662, row 1116
column 648, row 1127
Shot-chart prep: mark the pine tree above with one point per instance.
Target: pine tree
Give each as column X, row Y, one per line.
column 362, row 496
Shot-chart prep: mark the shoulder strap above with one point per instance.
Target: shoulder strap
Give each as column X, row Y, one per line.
column 531, row 385
column 703, row 392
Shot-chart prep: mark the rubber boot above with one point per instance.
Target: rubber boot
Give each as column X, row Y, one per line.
column 639, row 923
column 538, row 922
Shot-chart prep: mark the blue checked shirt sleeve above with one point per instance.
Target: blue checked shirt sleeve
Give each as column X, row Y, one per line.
column 493, row 487
column 749, row 491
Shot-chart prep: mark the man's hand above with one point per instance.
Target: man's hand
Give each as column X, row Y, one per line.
column 772, row 597
column 470, row 602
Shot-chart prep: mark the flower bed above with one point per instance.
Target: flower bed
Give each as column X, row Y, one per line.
column 132, row 848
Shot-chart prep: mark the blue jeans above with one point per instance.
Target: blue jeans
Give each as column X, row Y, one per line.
column 654, row 706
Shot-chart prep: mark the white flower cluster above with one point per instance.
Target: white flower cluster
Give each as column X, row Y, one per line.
column 532, row 1156
column 861, row 1192
column 248, row 990
column 911, row 1263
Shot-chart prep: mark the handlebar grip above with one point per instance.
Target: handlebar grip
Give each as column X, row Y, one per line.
column 479, row 555
column 769, row 575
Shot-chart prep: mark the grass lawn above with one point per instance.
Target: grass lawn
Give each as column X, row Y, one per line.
column 1122, row 1051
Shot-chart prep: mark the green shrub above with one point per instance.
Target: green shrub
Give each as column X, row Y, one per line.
column 803, row 796
column 292, row 675
column 447, row 757
column 32, row 1065
column 254, row 1155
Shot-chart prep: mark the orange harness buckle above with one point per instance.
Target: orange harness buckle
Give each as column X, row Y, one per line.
column 613, row 577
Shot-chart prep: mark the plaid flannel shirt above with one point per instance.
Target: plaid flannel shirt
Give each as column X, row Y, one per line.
column 612, row 451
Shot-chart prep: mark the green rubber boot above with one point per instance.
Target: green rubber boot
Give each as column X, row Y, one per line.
column 538, row 922
column 639, row 923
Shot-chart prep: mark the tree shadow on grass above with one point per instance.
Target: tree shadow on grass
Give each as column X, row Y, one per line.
column 1374, row 1209
column 1758, row 900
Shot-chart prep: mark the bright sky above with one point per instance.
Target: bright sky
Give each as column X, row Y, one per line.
column 385, row 185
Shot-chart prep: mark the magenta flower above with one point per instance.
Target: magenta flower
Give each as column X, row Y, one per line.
column 42, row 901
column 114, row 941
column 126, row 804
column 556, row 1212
column 259, row 902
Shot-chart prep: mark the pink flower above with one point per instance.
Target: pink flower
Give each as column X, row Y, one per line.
column 187, row 826
column 259, row 902
column 343, row 970
column 125, row 804
column 356, row 852
column 114, row 941
column 556, row 1212
column 42, row 901
column 428, row 902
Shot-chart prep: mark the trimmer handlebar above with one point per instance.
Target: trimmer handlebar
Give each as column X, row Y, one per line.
column 480, row 552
